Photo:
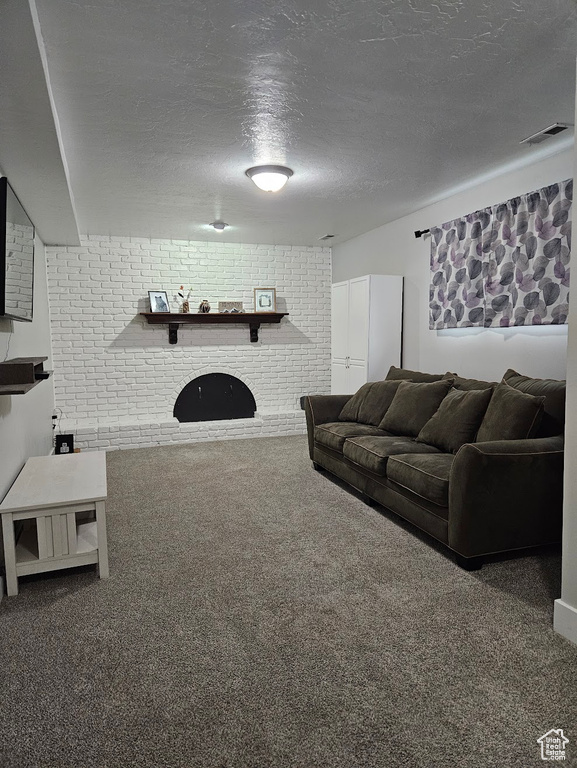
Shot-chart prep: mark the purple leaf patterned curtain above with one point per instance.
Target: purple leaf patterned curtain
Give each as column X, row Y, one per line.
column 457, row 298
column 507, row 265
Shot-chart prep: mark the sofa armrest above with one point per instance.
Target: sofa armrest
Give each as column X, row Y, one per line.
column 505, row 495
column 320, row 409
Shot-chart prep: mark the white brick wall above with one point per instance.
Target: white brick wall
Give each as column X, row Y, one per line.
column 116, row 378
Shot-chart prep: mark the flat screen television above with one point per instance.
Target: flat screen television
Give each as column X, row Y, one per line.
column 16, row 256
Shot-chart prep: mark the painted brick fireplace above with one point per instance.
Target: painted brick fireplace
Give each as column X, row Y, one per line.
column 117, row 379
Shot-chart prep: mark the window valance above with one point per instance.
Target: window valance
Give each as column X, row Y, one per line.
column 506, row 265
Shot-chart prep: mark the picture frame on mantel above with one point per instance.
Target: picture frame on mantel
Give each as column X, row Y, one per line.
column 158, row 301
column 265, row 299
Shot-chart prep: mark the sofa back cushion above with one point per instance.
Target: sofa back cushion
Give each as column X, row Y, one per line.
column 553, row 390
column 457, row 420
column 413, row 405
column 511, row 415
column 467, row 384
column 404, row 374
column 370, row 403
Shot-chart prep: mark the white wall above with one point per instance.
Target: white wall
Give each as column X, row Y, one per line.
column 481, row 353
column 117, row 377
column 565, row 615
column 26, row 420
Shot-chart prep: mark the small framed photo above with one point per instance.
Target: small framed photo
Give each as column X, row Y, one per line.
column 158, row 301
column 265, row 299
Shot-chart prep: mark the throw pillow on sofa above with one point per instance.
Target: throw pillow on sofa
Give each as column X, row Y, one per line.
column 457, row 420
column 377, row 402
column 350, row 410
column 413, row 406
column 511, row 415
column 553, row 390
column 404, row 374
column 370, row 403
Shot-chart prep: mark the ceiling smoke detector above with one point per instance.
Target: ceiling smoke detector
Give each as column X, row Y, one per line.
column 546, row 133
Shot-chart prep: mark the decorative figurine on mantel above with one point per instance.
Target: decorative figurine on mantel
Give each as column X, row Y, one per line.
column 185, row 308
column 204, row 307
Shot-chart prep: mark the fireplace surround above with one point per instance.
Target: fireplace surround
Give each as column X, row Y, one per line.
column 117, row 378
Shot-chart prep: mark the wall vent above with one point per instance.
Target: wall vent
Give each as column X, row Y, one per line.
column 546, row 133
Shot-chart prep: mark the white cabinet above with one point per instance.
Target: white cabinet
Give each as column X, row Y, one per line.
column 366, row 327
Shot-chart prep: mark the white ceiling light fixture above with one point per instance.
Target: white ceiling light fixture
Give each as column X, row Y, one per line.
column 269, row 178
column 218, row 225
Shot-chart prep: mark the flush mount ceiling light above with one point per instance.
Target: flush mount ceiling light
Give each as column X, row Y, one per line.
column 218, row 225
column 270, row 178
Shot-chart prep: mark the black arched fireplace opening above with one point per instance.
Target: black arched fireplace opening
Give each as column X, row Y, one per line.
column 214, row 396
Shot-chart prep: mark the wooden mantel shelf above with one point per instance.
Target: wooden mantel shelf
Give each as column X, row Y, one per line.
column 174, row 319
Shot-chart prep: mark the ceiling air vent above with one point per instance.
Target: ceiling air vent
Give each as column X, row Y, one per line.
column 546, row 133
column 326, row 237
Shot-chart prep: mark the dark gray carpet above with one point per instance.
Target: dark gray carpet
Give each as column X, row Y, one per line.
column 258, row 614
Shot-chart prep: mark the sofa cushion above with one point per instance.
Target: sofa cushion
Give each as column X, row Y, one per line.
column 457, row 419
column 425, row 475
column 467, row 384
column 370, row 403
column 372, row 453
column 511, row 415
column 413, row 406
column 333, row 434
column 350, row 411
column 405, row 374
column 553, row 390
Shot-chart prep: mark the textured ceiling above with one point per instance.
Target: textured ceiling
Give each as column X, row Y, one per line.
column 379, row 107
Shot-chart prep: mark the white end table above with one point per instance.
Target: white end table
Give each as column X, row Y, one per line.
column 66, row 496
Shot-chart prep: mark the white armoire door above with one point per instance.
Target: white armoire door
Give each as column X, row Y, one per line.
column 357, row 377
column 340, row 322
column 340, row 379
column 339, row 338
column 358, row 324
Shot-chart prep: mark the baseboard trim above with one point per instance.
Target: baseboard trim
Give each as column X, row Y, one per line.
column 565, row 620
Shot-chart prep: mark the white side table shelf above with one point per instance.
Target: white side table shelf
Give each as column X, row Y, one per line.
column 65, row 497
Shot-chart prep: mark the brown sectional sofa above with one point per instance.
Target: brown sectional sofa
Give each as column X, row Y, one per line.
column 478, row 497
